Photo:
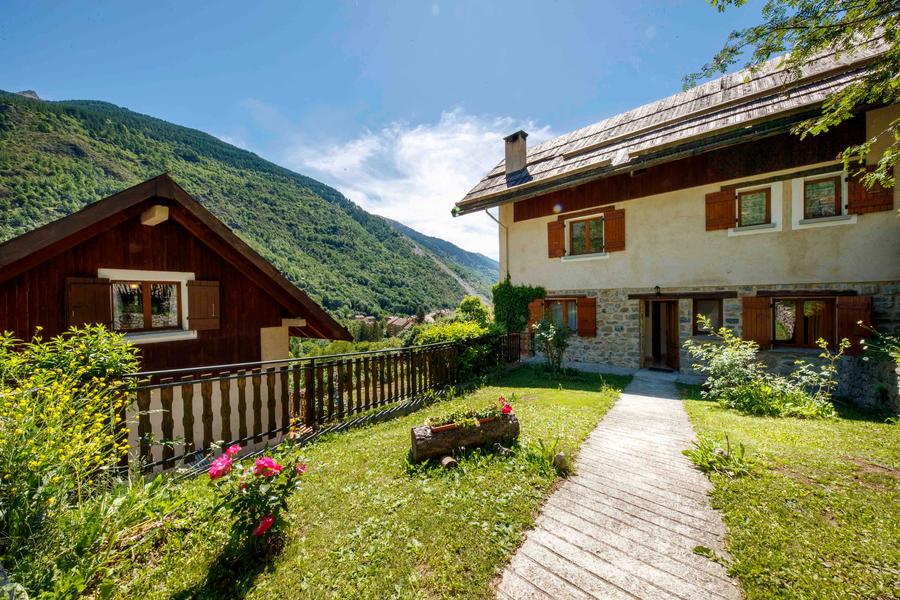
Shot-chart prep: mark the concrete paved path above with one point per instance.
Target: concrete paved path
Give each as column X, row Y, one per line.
column 625, row 525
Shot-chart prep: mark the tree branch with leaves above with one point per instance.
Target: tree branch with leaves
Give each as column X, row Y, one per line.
column 802, row 30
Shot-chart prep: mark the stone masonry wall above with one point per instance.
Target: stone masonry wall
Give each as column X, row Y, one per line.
column 618, row 339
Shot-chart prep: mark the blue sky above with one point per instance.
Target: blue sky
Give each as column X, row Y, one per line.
column 400, row 105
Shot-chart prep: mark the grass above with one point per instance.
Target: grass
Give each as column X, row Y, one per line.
column 367, row 525
column 819, row 517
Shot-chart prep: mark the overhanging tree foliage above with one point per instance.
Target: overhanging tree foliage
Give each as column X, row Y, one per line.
column 807, row 29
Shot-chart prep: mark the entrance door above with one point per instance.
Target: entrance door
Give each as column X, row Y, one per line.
column 661, row 341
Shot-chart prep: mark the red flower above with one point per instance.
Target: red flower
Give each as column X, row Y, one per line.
column 233, row 449
column 501, row 401
column 219, row 467
column 267, row 467
column 506, row 409
column 300, row 468
column 264, row 525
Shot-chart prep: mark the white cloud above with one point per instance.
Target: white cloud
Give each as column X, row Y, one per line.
column 415, row 173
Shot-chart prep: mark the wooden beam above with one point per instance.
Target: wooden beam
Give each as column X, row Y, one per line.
column 683, row 296
column 805, row 293
column 155, row 215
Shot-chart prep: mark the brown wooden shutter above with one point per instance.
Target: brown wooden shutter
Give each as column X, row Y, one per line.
column 587, row 316
column 88, row 301
column 862, row 200
column 535, row 311
column 851, row 310
column 614, row 230
column 720, row 210
column 203, row 305
column 757, row 320
column 556, row 239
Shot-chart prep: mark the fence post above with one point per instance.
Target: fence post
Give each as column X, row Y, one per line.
column 309, row 384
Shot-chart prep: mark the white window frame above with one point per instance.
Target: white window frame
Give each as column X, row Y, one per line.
column 776, row 214
column 569, row 257
column 151, row 337
column 797, row 213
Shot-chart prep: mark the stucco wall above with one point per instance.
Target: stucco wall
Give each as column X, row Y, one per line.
column 667, row 245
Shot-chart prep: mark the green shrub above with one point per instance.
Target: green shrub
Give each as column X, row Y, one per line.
column 736, row 378
column 711, row 457
column 511, row 304
column 552, row 340
column 471, row 308
column 477, row 344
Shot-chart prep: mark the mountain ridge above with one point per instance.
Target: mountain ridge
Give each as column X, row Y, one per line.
column 56, row 157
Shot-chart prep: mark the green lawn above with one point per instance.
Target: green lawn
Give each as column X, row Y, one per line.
column 365, row 526
column 820, row 516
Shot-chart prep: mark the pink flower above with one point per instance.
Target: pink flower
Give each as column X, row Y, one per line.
column 267, row 467
column 264, row 525
column 506, row 409
column 233, row 449
column 219, row 467
column 300, row 468
column 501, row 401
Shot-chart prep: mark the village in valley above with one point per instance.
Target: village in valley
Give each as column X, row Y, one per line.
column 368, row 300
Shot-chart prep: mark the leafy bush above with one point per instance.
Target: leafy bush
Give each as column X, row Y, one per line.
column 255, row 496
column 552, row 340
column 478, row 352
column 711, row 457
column 511, row 304
column 61, row 430
column 736, row 379
column 471, row 308
column 882, row 346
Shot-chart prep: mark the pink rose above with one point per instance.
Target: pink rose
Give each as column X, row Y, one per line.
column 267, row 467
column 219, row 467
column 300, row 468
column 506, row 409
column 501, row 401
column 264, row 525
column 233, row 449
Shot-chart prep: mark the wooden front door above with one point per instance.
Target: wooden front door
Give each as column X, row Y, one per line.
column 672, row 338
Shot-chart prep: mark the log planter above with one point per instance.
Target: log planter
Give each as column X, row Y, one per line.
column 433, row 442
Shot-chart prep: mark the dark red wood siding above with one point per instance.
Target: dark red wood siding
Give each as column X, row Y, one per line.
column 778, row 152
column 37, row 296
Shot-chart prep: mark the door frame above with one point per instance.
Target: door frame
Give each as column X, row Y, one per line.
column 668, row 354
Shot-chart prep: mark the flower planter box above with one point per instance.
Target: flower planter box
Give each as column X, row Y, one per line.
column 433, row 442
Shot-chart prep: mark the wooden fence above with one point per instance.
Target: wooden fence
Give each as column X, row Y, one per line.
column 181, row 413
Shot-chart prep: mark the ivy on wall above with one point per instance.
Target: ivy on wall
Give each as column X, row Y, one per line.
column 511, row 304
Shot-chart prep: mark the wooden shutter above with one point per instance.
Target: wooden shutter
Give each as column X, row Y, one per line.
column 614, row 230
column 757, row 320
column 556, row 239
column 88, row 301
column 861, row 200
column 851, row 310
column 720, row 210
column 203, row 305
column 587, row 316
column 535, row 311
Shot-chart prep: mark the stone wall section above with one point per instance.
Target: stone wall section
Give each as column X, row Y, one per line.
column 618, row 339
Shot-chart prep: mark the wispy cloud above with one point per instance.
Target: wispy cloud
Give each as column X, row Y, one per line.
column 414, row 173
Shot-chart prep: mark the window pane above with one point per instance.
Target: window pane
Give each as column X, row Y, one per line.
column 164, row 305
column 815, row 320
column 556, row 312
column 711, row 309
column 573, row 316
column 595, row 240
column 820, row 198
column 578, row 246
column 785, row 320
column 753, row 208
column 128, row 305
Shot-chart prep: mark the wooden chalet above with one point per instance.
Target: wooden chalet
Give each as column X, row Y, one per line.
column 153, row 263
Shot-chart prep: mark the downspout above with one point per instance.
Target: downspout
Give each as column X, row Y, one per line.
column 505, row 239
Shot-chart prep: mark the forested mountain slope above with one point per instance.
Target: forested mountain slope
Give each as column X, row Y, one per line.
column 56, row 157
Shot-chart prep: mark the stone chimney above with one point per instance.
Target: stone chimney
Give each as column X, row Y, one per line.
column 516, row 152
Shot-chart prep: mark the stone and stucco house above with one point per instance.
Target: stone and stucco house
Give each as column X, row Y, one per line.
column 705, row 203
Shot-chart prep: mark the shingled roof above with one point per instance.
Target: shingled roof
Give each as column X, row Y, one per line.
column 741, row 104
